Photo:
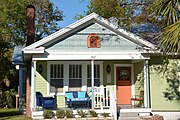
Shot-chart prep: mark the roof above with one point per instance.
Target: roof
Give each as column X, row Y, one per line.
column 38, row 47
column 17, row 58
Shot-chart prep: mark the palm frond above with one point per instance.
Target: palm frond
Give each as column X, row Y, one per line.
column 170, row 38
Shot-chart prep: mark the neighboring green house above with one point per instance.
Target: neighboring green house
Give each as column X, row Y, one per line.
column 121, row 64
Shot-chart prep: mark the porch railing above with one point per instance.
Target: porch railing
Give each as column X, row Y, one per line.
column 102, row 97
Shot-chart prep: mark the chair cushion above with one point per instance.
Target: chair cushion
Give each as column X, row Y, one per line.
column 81, row 94
column 79, row 99
column 69, row 95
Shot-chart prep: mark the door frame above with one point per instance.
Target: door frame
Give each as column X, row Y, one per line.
column 132, row 78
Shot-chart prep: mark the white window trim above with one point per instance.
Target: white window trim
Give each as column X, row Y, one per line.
column 66, row 74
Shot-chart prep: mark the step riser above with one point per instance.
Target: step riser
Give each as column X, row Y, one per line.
column 129, row 115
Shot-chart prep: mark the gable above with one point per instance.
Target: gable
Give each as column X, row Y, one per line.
column 109, row 41
column 74, row 37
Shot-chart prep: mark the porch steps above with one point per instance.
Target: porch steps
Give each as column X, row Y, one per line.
column 133, row 114
column 129, row 116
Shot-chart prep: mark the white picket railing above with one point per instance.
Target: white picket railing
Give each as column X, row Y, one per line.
column 102, row 97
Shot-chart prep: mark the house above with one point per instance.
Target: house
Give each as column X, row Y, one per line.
column 111, row 64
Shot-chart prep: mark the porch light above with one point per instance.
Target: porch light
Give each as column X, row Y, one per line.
column 40, row 68
column 108, row 69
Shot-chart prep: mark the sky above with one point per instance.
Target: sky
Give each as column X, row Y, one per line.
column 70, row 8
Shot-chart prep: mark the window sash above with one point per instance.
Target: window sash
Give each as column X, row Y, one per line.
column 56, row 78
column 75, row 77
column 96, row 75
column 96, row 82
column 96, row 71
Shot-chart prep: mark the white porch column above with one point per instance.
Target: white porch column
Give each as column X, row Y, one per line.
column 146, row 85
column 33, row 88
column 92, row 82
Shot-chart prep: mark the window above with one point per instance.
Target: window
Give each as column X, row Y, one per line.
column 75, row 77
column 96, row 75
column 56, row 78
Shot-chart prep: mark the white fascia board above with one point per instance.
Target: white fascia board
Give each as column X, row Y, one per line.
column 62, row 31
column 33, row 52
column 91, row 56
column 37, row 50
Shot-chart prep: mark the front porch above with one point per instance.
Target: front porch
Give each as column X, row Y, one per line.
column 104, row 102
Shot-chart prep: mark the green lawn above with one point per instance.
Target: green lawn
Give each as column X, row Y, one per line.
column 12, row 114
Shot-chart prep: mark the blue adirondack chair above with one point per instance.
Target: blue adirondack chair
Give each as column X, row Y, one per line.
column 45, row 102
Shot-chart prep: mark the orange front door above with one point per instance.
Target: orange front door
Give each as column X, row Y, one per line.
column 123, row 78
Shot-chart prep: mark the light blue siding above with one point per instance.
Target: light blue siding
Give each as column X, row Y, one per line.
column 109, row 41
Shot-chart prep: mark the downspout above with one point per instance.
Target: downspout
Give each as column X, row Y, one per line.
column 30, row 14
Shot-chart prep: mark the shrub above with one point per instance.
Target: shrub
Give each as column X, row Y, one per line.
column 69, row 113
column 93, row 113
column 48, row 114
column 8, row 98
column 105, row 115
column 82, row 113
column 60, row 113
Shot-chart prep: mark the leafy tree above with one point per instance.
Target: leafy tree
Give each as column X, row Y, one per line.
column 13, row 29
column 125, row 12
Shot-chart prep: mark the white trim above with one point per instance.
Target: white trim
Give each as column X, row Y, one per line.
column 132, row 81
column 90, row 56
column 66, row 77
column 92, row 18
column 92, row 83
column 132, row 76
column 92, row 53
column 48, row 78
column 37, row 50
column 66, row 74
column 84, row 76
